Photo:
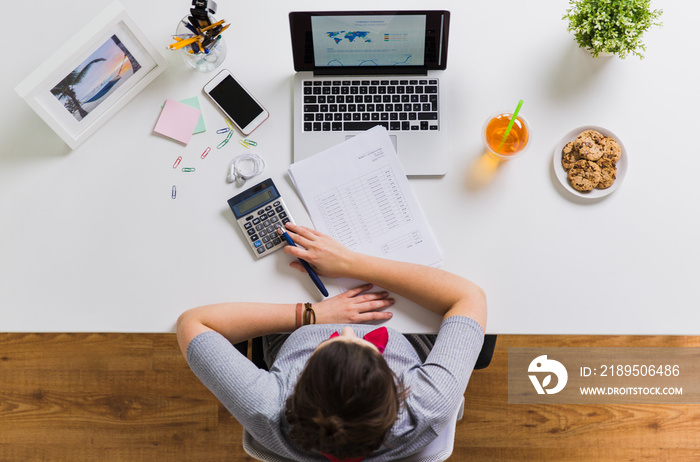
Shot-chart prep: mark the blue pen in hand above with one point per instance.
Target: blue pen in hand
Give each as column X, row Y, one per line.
column 312, row 274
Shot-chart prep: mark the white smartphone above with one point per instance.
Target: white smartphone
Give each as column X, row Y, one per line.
column 236, row 102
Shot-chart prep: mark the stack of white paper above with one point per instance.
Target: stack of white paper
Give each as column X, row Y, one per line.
column 357, row 193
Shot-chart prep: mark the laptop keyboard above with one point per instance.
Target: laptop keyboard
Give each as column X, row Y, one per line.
column 355, row 104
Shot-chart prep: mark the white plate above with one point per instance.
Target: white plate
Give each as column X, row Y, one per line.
column 562, row 175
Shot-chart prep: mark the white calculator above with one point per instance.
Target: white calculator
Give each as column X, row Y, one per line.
column 260, row 210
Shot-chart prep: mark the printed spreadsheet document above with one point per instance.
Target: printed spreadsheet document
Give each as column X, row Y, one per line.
column 357, row 193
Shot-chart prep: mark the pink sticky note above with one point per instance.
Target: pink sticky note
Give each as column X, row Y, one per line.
column 177, row 121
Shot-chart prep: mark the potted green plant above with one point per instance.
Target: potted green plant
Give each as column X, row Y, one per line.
column 611, row 26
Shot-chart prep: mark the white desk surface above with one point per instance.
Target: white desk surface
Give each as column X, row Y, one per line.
column 90, row 239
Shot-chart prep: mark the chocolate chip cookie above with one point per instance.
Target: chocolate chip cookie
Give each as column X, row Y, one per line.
column 585, row 175
column 608, row 173
column 569, row 156
column 611, row 149
column 588, row 148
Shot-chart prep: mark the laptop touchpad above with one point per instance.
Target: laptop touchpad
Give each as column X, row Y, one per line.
column 393, row 140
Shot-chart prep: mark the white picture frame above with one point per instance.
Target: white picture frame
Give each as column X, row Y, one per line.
column 93, row 75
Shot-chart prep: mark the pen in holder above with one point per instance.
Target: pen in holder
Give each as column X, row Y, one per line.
column 203, row 57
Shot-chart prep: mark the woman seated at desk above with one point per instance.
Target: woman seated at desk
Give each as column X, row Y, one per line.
column 338, row 389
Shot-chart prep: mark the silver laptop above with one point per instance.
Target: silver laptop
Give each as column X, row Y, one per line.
column 358, row 69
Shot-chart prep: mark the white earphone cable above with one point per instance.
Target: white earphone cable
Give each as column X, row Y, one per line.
column 236, row 173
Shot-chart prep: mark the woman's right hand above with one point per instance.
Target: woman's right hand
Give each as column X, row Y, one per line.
column 326, row 256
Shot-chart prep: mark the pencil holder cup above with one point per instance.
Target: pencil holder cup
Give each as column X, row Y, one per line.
column 203, row 61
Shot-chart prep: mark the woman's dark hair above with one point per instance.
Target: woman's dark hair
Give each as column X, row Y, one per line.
column 344, row 402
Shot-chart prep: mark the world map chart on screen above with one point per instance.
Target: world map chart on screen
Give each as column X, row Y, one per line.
column 338, row 36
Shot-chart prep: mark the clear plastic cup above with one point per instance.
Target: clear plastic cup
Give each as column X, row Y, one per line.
column 517, row 142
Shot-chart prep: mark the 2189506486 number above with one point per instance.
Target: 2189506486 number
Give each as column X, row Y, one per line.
column 637, row 370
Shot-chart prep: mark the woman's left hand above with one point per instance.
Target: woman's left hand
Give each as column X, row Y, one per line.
column 355, row 306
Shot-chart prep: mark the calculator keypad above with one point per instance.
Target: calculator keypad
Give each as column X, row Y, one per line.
column 261, row 227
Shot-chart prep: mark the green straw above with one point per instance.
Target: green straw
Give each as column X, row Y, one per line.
column 510, row 125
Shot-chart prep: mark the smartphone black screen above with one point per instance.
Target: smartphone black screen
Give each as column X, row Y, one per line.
column 235, row 101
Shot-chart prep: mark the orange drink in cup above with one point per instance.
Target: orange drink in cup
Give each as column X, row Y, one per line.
column 504, row 146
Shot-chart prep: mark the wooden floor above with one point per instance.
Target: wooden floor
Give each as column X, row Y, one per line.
column 131, row 397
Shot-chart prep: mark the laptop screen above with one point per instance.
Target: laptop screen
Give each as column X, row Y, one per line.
column 369, row 40
column 366, row 42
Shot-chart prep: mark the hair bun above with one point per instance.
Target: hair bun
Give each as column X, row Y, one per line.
column 332, row 430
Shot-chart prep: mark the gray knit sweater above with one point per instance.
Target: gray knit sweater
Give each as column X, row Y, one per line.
column 256, row 397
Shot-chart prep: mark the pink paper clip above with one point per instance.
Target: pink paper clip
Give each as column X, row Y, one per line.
column 204, row 154
column 177, row 161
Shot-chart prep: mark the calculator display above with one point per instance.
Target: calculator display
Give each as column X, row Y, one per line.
column 255, row 201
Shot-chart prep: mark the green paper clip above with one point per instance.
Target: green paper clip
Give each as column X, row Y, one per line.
column 223, row 143
column 251, row 142
column 188, row 169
